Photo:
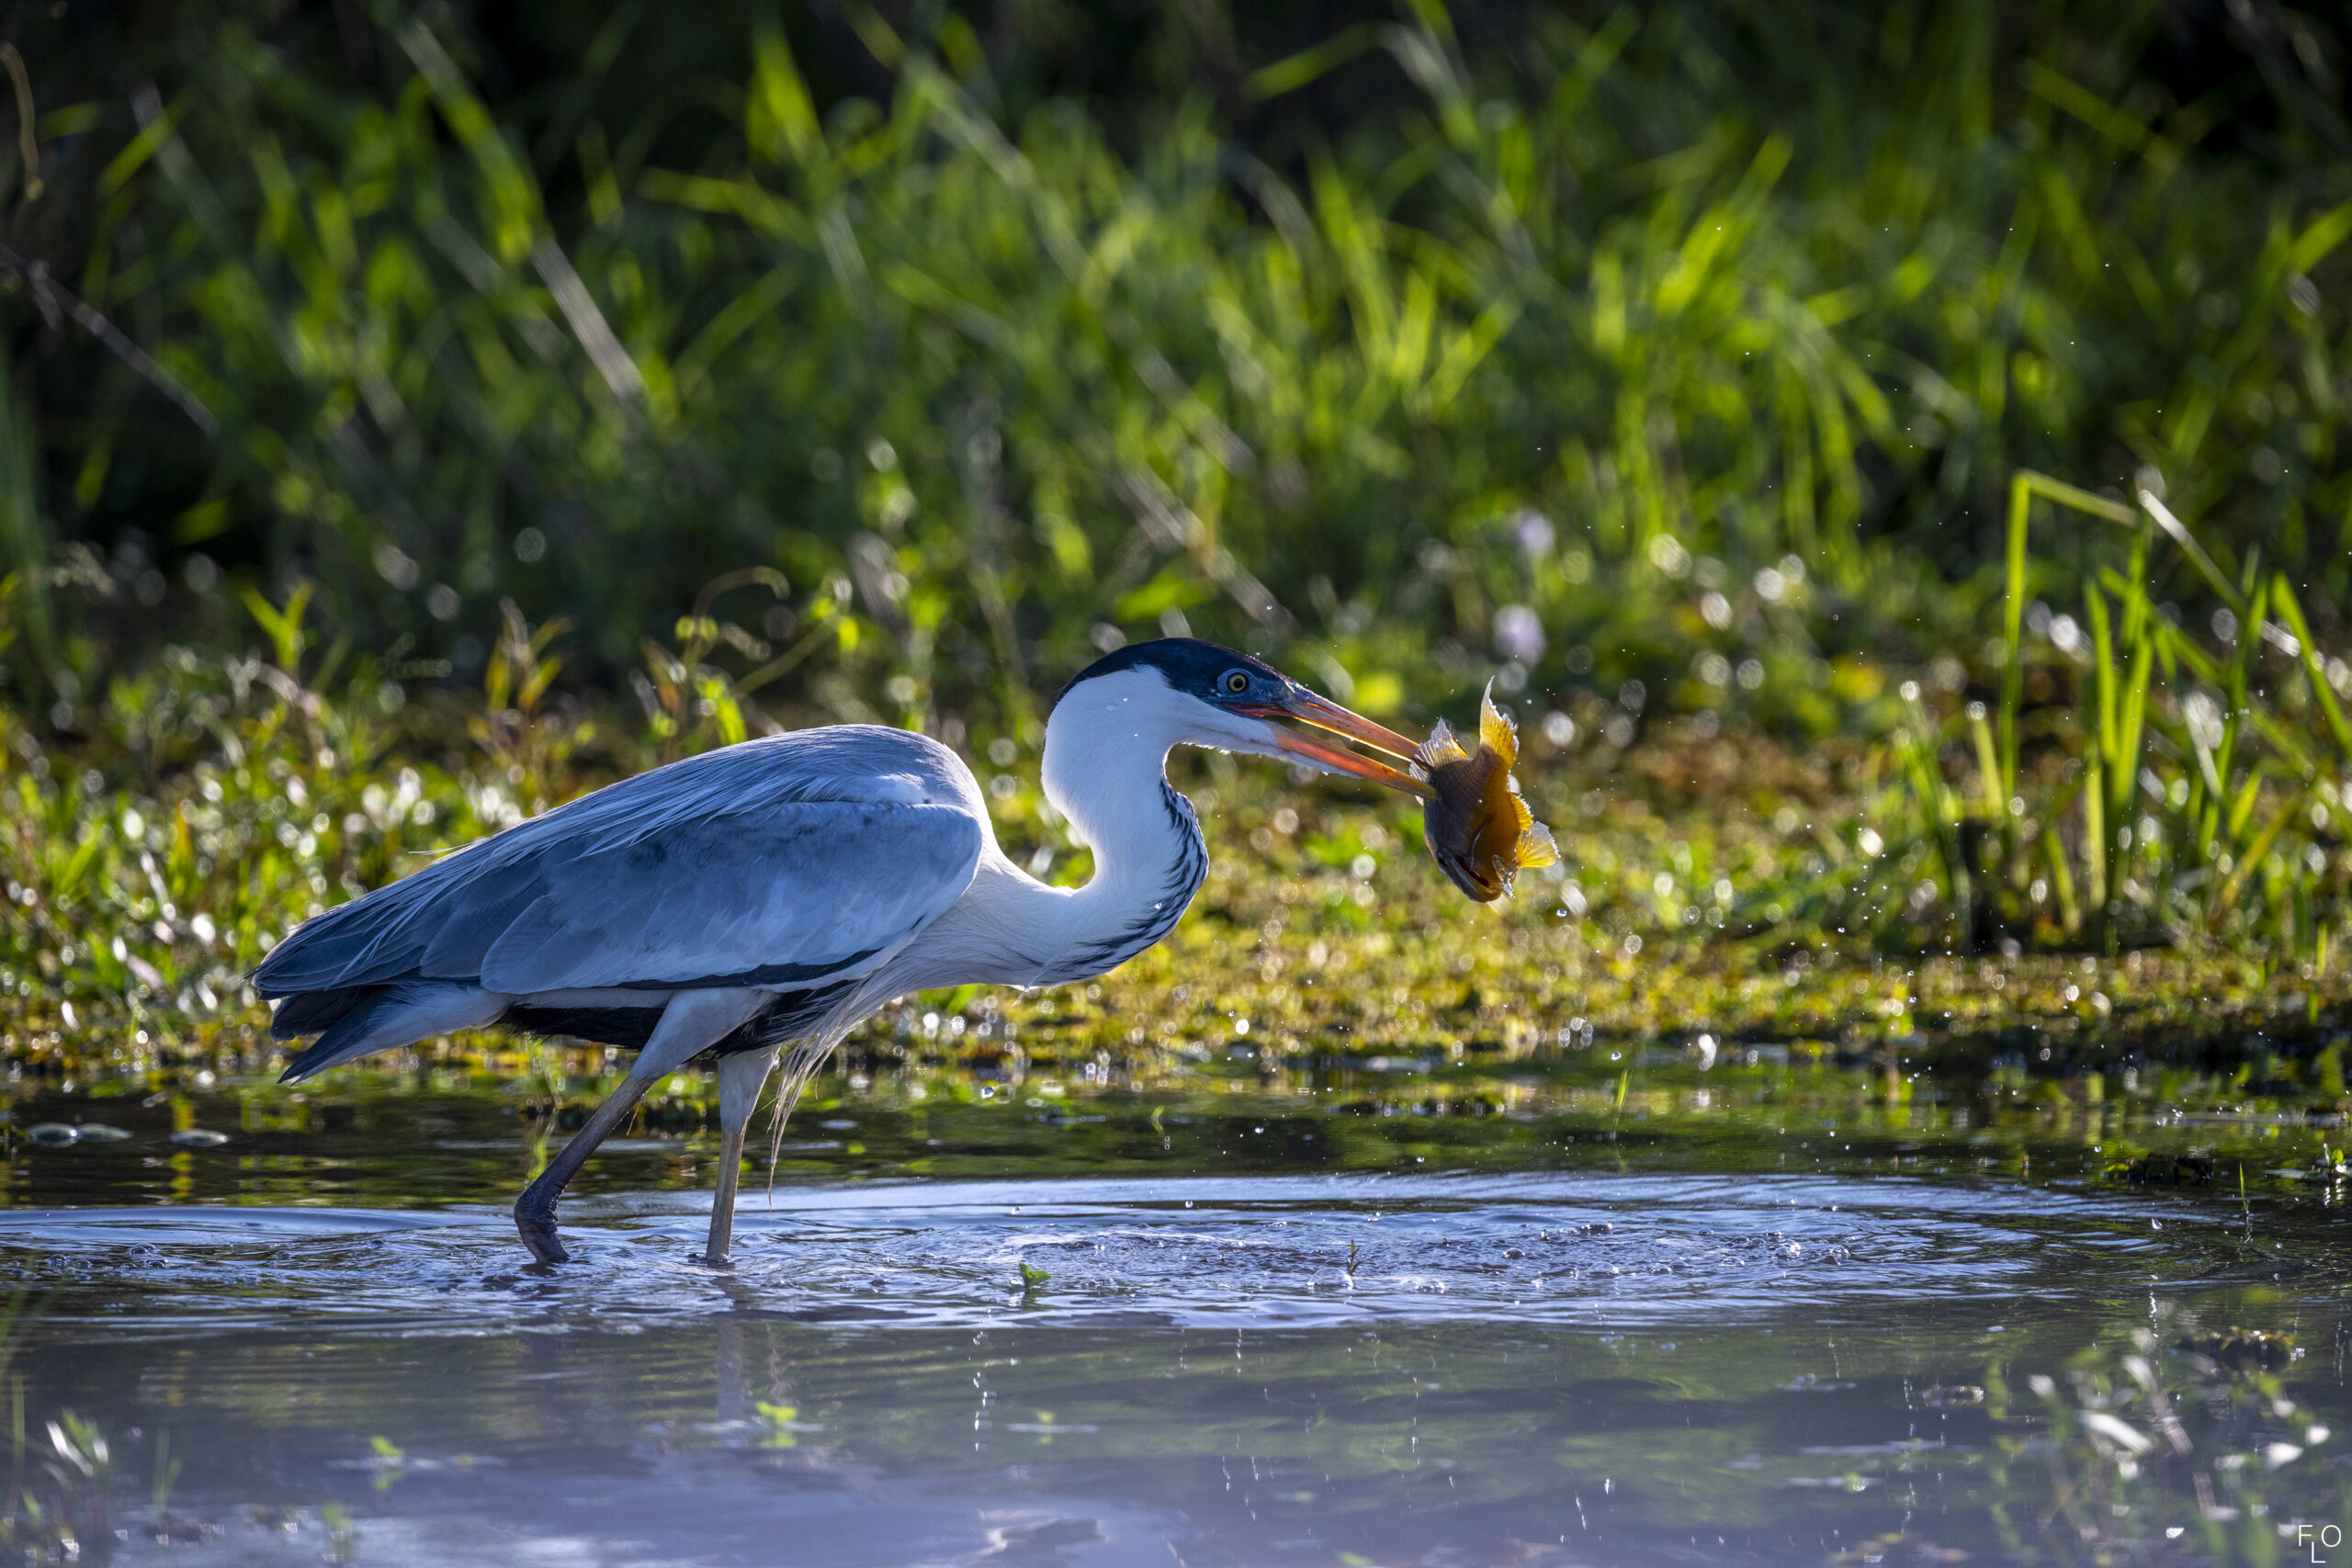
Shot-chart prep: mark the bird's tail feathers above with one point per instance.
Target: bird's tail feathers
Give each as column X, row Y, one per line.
column 399, row 1014
column 315, row 1012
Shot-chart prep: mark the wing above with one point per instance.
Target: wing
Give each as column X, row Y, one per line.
column 789, row 897
column 786, row 862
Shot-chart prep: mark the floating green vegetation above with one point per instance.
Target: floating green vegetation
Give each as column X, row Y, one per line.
column 2242, row 1350
column 2158, row 1116
column 2148, row 1169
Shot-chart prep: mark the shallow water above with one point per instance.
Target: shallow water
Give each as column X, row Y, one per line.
column 1589, row 1365
column 1577, row 1251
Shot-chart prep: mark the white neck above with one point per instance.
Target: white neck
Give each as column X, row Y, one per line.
column 1105, row 762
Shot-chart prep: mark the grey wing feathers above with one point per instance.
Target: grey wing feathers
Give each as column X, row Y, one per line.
column 776, row 862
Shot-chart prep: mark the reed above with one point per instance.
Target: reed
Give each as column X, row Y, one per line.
column 2192, row 789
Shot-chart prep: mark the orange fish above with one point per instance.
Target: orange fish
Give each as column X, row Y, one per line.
column 1479, row 830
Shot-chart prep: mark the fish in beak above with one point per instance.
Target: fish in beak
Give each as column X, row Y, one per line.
column 1477, row 829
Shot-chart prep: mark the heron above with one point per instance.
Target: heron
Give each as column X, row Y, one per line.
column 775, row 892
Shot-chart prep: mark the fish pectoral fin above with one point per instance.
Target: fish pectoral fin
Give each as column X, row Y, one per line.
column 1536, row 846
column 1441, row 746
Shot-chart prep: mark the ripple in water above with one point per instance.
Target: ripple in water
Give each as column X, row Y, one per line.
column 1647, row 1251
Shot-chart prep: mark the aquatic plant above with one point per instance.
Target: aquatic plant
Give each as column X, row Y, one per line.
column 2128, row 1424
column 2175, row 792
column 780, row 1422
column 64, row 1514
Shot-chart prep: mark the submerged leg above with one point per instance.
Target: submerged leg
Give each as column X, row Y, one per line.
column 740, row 1075
column 693, row 1021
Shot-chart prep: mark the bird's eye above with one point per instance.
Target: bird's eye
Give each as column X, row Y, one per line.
column 1235, row 683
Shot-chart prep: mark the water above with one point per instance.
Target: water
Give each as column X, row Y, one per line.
column 1387, row 1316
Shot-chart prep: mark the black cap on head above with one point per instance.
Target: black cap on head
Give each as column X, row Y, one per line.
column 1188, row 665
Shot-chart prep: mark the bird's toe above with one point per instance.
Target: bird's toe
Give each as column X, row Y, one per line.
column 538, row 1228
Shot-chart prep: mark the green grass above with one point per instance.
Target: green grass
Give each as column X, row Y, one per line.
column 1577, row 331
column 483, row 443
column 2176, row 788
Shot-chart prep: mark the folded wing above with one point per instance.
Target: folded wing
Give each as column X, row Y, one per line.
column 804, row 858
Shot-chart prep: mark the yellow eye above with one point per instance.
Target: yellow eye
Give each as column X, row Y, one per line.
column 1236, row 682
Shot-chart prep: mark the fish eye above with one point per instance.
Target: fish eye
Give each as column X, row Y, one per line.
column 1235, row 683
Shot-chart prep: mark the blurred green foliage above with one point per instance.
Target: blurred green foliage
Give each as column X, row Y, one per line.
column 1390, row 343
column 381, row 387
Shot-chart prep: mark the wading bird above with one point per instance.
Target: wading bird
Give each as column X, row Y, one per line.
column 778, row 891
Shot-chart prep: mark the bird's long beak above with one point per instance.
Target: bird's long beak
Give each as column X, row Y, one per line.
column 1322, row 713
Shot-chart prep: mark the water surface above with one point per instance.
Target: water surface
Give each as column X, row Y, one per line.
column 1586, row 1365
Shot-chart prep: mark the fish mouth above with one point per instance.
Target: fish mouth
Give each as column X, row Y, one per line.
column 1481, row 882
column 1303, row 707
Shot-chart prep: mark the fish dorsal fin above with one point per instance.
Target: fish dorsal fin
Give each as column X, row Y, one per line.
column 1495, row 729
column 1441, row 746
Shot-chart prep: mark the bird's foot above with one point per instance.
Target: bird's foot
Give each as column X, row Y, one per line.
column 535, row 1221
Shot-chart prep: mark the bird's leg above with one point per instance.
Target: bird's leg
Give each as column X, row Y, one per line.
column 740, row 1074
column 693, row 1021
column 535, row 1210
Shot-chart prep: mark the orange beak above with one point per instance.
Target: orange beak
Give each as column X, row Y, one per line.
column 1322, row 713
